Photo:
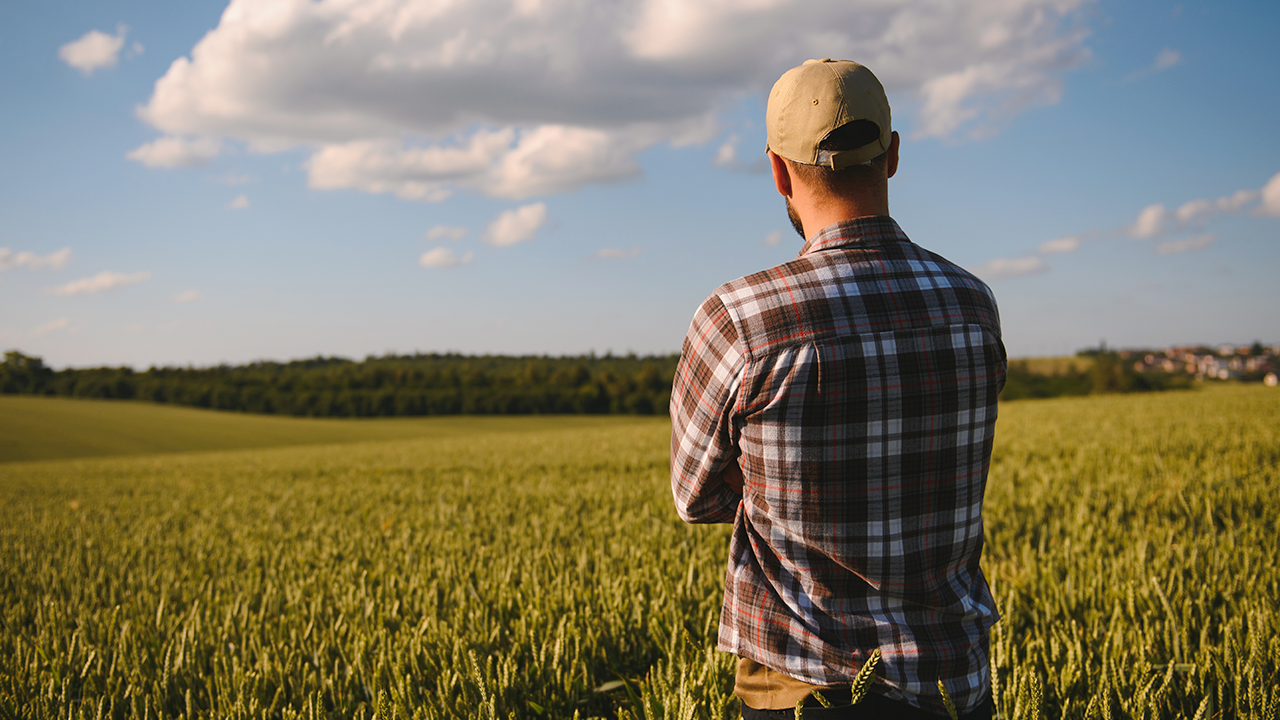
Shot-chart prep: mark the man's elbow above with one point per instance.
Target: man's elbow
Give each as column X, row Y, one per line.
column 720, row 508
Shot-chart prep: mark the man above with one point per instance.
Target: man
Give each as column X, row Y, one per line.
column 838, row 409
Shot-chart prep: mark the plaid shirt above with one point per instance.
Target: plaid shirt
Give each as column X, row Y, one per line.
column 856, row 388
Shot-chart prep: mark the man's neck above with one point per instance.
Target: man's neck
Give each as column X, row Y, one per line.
column 833, row 210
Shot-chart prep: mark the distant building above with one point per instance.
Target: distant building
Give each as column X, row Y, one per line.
column 1224, row 362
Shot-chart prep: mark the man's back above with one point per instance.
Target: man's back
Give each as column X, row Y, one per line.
column 858, row 384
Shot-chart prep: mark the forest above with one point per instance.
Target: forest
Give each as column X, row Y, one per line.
column 394, row 385
column 455, row 384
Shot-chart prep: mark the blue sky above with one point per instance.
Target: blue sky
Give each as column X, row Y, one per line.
column 204, row 182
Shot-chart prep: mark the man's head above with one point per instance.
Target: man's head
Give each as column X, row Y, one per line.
column 829, row 127
column 819, row 99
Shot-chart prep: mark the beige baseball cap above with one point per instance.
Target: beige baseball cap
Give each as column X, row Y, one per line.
column 811, row 100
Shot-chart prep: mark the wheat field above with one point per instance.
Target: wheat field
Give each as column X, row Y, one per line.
column 538, row 570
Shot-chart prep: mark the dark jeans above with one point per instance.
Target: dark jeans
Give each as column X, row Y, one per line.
column 872, row 707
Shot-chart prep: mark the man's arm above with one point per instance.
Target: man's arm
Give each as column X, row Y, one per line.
column 706, row 482
column 732, row 476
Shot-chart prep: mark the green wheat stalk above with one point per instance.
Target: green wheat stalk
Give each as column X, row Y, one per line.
column 862, row 681
column 946, row 700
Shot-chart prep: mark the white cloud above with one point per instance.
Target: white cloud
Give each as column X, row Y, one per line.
column 1236, row 201
column 1193, row 210
column 1270, row 197
column 442, row 257
column 187, row 296
column 1193, row 244
column 1150, row 222
column 174, row 151
column 616, row 253
column 1196, row 211
column 95, row 49
column 557, row 158
column 53, row 261
column 727, row 157
column 728, row 152
column 516, row 98
column 423, row 173
column 240, row 203
column 51, row 326
column 773, row 238
column 1067, row 244
column 1166, row 59
column 1154, row 220
column 232, row 178
column 105, row 280
column 1010, row 267
column 500, row 163
column 446, row 232
column 517, row 225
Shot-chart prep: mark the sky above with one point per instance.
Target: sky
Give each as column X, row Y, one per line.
column 208, row 182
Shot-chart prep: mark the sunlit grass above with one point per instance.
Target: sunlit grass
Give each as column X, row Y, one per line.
column 539, row 570
column 50, row 428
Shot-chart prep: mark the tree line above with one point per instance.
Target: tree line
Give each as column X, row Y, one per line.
column 454, row 384
column 393, row 385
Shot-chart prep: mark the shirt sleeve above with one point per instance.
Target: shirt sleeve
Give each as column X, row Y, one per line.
column 704, row 438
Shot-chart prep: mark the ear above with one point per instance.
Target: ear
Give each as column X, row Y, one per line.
column 781, row 176
column 893, row 155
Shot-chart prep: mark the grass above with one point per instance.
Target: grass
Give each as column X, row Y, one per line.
column 50, row 428
column 537, row 570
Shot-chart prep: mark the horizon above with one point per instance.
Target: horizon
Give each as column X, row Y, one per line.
column 1271, row 348
column 223, row 182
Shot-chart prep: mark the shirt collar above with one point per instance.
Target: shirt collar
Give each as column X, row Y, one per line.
column 868, row 230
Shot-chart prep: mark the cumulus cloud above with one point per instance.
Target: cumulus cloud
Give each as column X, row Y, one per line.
column 500, row 163
column 1193, row 244
column 53, row 261
column 240, row 203
column 1150, row 222
column 170, row 152
column 517, row 225
column 52, row 326
column 773, row 238
column 1067, row 244
column 442, row 257
column 1010, row 267
column 1270, row 197
column 516, row 98
column 186, row 296
column 105, row 280
column 95, row 49
column 446, row 232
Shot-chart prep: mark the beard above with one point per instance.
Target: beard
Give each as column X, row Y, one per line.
column 795, row 219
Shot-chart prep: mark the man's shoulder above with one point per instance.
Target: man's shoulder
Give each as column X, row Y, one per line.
column 836, row 289
column 858, row 269
column 929, row 263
